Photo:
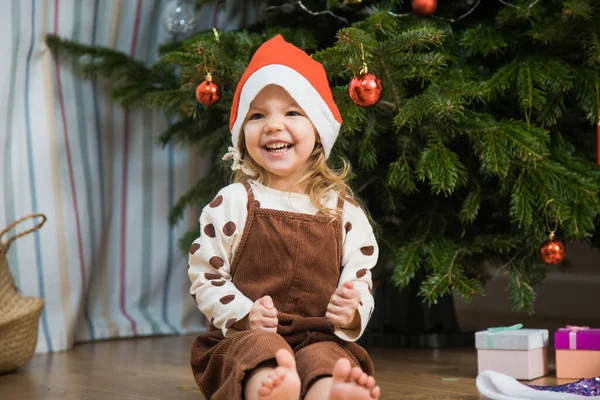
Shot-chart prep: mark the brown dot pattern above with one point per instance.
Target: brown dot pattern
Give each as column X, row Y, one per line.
column 371, row 290
column 194, row 248
column 218, row 283
column 348, row 227
column 216, row 262
column 229, row 228
column 361, row 303
column 367, row 250
column 209, row 230
column 230, row 322
column 216, row 202
column 227, row 299
column 256, row 203
column 210, row 276
column 361, row 272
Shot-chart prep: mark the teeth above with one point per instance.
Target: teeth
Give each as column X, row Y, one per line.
column 277, row 146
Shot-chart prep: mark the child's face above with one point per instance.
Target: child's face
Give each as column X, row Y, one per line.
column 278, row 134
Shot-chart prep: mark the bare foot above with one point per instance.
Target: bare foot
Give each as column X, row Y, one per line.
column 283, row 383
column 352, row 383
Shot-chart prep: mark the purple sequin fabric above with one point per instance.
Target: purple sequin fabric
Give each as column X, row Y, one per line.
column 583, row 387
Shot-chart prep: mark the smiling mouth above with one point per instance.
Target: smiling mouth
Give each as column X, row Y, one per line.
column 278, row 147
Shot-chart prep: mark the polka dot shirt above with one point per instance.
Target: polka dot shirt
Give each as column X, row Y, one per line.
column 222, row 224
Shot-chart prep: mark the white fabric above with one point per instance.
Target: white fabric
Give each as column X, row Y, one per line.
column 233, row 209
column 301, row 90
column 496, row 386
column 106, row 262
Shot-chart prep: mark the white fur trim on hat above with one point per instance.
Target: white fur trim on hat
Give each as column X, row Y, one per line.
column 301, row 90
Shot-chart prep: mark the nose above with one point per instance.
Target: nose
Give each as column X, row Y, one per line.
column 274, row 123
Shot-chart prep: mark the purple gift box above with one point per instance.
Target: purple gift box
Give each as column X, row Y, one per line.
column 577, row 338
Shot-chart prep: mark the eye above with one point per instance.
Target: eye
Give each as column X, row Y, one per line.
column 255, row 116
column 293, row 114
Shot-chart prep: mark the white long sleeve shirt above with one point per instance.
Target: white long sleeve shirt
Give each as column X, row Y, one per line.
column 222, row 223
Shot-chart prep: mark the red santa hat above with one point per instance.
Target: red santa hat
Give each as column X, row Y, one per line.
column 277, row 62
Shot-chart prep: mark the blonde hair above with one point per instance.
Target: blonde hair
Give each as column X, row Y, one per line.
column 318, row 178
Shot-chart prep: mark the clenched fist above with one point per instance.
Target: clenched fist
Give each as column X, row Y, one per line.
column 263, row 315
column 341, row 310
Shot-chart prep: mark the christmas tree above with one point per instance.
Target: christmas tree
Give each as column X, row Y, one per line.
column 481, row 145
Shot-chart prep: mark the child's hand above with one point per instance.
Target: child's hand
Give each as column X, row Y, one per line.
column 341, row 310
column 263, row 315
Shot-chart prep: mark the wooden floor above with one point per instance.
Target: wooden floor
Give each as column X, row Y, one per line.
column 157, row 368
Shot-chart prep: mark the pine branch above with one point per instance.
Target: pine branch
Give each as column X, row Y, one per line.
column 180, row 133
column 520, row 292
column 418, row 39
column 434, row 287
column 484, row 40
column 470, row 208
column 441, row 167
column 408, row 259
column 578, row 10
column 118, row 64
column 401, row 176
column 522, row 200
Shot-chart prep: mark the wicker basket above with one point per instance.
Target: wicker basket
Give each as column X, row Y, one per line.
column 19, row 315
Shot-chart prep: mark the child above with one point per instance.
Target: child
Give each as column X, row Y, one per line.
column 282, row 267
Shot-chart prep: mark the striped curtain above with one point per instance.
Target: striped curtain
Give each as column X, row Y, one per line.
column 106, row 262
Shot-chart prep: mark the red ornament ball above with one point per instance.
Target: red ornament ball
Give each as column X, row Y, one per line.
column 424, row 8
column 208, row 93
column 365, row 89
column 552, row 251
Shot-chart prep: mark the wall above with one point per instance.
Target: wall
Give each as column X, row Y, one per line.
column 571, row 297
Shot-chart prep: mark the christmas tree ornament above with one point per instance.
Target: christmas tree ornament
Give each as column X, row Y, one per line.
column 179, row 18
column 366, row 88
column 208, row 92
column 552, row 251
column 424, row 8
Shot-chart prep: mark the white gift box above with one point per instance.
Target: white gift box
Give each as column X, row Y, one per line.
column 513, row 351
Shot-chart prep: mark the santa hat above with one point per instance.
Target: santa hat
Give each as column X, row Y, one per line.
column 277, row 62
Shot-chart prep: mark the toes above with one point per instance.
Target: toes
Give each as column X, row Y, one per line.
column 277, row 377
column 363, row 379
column 375, row 392
column 356, row 373
column 285, row 359
column 341, row 370
column 264, row 391
column 370, row 382
column 281, row 372
column 268, row 383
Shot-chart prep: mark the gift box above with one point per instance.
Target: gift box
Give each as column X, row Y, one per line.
column 577, row 352
column 513, row 351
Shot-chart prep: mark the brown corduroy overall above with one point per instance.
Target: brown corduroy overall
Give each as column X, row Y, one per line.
column 296, row 259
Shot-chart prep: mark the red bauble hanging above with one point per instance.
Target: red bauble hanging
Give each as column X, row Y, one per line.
column 365, row 89
column 424, row 8
column 552, row 251
column 208, row 92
